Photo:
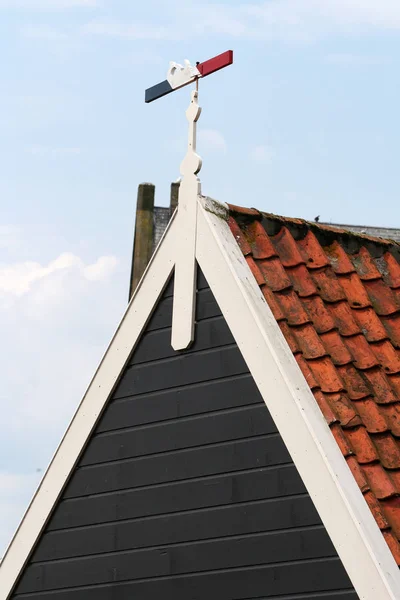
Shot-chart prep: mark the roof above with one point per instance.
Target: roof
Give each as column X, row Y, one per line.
column 336, row 298
column 388, row 233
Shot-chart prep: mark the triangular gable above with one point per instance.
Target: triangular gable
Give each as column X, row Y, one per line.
column 329, row 482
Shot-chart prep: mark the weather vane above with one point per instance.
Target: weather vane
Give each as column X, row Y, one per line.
column 183, row 314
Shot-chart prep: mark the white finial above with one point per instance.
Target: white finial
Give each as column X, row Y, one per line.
column 179, row 75
column 185, row 268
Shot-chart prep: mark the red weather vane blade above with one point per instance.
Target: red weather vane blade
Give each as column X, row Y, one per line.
column 179, row 76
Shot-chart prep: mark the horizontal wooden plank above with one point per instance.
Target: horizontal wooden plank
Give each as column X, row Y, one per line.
column 237, row 519
column 187, row 432
column 184, row 495
column 176, row 466
column 154, row 345
column 223, row 553
column 206, row 307
column 181, row 370
column 231, row 584
column 189, row 400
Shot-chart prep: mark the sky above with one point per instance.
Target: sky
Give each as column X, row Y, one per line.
column 305, row 123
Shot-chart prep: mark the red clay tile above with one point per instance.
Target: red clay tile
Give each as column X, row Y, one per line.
column 380, row 386
column 371, row 415
column 355, row 291
column 358, row 473
column 392, row 326
column 395, row 477
column 274, row 274
column 376, row 510
column 390, row 269
column 391, row 414
column 379, row 481
column 391, row 508
column 301, row 281
column 308, row 341
column 239, row 237
column 394, row 383
column 330, row 416
column 338, row 258
column 388, row 450
column 242, row 210
column 361, row 352
column 370, row 324
column 326, row 375
column 341, row 440
column 387, row 356
column 259, row 241
column 287, row 332
column 255, row 270
column 328, row 285
column 382, row 297
column 318, row 314
column 312, row 252
column 287, row 248
column 335, row 348
column 343, row 409
column 272, row 303
column 361, row 445
column 307, row 373
column 292, row 308
column 393, row 543
column 343, row 318
column 365, row 265
column 354, row 383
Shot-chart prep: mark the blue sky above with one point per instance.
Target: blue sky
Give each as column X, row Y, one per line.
column 305, row 123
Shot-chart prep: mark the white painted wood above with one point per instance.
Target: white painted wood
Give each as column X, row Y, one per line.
column 178, row 75
column 185, row 268
column 94, row 401
column 326, row 475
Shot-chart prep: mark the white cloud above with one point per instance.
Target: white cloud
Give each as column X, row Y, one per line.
column 18, row 279
column 262, row 154
column 211, row 140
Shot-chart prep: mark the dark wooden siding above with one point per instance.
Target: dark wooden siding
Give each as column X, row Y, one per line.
column 185, row 490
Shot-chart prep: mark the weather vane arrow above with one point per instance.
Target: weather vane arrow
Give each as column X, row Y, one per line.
column 178, row 76
column 183, row 312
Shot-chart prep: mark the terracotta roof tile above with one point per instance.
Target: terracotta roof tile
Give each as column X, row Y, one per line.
column 255, row 270
column 382, row 297
column 354, row 383
column 312, row 252
column 365, row 265
column 355, row 291
column 274, row 274
column 292, row 308
column 392, row 326
column 389, row 269
column 258, row 241
column 379, row 481
column 387, row 356
column 343, row 318
column 370, row 324
column 376, row 510
column 361, row 352
column 328, row 285
column 326, row 375
column 338, row 258
column 318, row 314
column 337, row 302
column 239, row 237
column 287, row 249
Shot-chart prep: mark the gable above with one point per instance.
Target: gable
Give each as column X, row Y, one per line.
column 185, row 488
column 336, row 298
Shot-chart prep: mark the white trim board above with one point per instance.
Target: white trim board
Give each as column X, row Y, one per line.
column 336, row 496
